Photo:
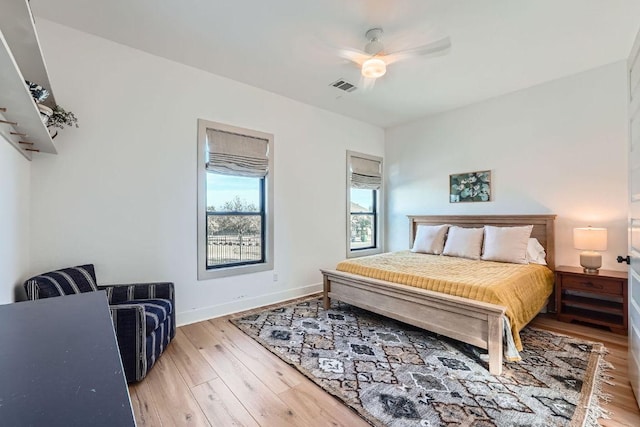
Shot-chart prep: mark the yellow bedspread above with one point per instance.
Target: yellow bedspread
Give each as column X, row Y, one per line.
column 522, row 289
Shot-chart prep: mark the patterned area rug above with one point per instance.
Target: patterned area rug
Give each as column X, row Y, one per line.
column 396, row 375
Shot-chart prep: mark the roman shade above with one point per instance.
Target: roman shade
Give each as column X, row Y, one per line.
column 235, row 154
column 365, row 173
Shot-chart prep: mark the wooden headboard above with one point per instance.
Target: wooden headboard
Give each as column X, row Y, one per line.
column 543, row 226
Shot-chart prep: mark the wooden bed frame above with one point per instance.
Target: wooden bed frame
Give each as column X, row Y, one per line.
column 474, row 322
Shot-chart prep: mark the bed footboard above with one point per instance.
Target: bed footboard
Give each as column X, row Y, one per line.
column 473, row 322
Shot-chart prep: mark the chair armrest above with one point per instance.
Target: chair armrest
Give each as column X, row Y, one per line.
column 128, row 292
column 131, row 329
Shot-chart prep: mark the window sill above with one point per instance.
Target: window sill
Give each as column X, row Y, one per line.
column 204, row 274
column 363, row 252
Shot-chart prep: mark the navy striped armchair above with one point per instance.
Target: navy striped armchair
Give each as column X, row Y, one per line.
column 143, row 314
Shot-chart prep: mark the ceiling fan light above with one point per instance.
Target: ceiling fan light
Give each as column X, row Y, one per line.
column 373, row 68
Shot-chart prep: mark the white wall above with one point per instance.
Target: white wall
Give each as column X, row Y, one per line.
column 121, row 193
column 560, row 147
column 14, row 220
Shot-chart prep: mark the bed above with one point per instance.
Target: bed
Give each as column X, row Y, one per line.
column 474, row 322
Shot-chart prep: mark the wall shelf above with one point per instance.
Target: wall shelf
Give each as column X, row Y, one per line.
column 21, row 59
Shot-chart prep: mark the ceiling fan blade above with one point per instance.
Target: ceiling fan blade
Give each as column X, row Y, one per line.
column 353, row 55
column 366, row 84
column 440, row 46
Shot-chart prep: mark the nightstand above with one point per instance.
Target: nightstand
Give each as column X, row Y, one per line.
column 599, row 299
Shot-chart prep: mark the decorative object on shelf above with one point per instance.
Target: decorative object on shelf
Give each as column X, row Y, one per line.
column 590, row 240
column 470, row 187
column 61, row 118
column 45, row 113
column 38, row 93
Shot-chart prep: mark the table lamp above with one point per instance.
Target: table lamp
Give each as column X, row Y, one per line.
column 590, row 240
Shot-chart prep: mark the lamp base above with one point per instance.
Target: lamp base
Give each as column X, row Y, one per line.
column 590, row 261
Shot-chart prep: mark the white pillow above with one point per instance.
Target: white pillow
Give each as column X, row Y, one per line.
column 535, row 252
column 464, row 242
column 430, row 239
column 506, row 244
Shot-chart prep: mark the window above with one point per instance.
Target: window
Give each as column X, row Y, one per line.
column 364, row 204
column 363, row 219
column 235, row 214
column 235, row 200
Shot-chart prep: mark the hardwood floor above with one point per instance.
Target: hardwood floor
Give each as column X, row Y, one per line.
column 212, row 374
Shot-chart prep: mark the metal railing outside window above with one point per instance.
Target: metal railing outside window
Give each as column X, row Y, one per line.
column 226, row 248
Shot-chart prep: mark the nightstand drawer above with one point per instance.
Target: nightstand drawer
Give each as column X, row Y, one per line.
column 592, row 284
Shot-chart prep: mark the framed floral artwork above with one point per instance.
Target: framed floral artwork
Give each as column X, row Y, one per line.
column 470, row 187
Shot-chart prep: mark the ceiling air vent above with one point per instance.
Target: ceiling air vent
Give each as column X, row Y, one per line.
column 344, row 85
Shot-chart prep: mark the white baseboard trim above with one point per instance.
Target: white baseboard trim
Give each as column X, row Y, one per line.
column 206, row 313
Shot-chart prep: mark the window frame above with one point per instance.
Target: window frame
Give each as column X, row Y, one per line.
column 378, row 230
column 205, row 273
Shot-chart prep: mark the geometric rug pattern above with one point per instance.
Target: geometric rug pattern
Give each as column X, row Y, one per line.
column 394, row 374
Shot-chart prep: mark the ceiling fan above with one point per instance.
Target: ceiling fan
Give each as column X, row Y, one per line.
column 374, row 60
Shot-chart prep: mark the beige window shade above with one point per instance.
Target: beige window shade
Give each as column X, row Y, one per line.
column 365, row 173
column 240, row 155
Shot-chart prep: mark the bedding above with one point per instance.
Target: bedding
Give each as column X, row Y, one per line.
column 522, row 288
column 506, row 244
column 536, row 253
column 430, row 239
column 464, row 242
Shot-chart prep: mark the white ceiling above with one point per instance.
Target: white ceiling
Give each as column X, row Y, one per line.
column 290, row 46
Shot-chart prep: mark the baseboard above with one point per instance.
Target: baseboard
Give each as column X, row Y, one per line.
column 193, row 316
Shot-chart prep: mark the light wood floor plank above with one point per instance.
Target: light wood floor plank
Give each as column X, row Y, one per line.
column 144, row 405
column 220, row 405
column 244, row 394
column 260, row 401
column 278, row 376
column 319, row 408
column 192, row 366
column 175, row 403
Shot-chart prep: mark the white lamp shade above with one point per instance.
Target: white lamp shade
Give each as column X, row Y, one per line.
column 590, row 239
column 373, row 68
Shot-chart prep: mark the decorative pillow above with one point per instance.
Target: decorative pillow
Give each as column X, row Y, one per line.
column 464, row 242
column 506, row 244
column 535, row 252
column 430, row 239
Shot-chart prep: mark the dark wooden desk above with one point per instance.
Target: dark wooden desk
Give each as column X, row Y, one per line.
column 60, row 365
